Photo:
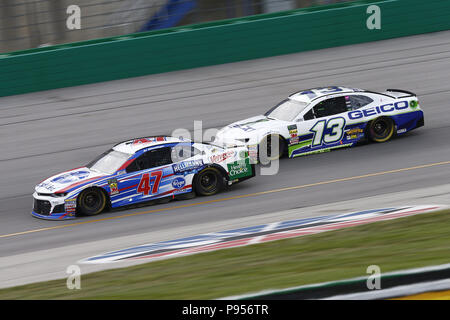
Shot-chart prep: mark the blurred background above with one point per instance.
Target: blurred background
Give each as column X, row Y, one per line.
column 29, row 24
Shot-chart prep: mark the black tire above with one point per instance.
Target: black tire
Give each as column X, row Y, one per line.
column 91, row 202
column 266, row 144
column 209, row 181
column 381, row 129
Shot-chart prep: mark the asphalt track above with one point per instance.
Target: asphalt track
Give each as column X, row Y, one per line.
column 48, row 132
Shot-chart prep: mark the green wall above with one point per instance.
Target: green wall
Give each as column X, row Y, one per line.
column 215, row 43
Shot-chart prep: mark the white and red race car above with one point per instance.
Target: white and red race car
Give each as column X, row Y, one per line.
column 141, row 170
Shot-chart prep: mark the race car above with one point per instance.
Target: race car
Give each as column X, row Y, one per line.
column 321, row 119
column 140, row 170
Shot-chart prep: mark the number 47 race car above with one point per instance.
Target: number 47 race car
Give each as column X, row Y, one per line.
column 321, row 119
column 140, row 170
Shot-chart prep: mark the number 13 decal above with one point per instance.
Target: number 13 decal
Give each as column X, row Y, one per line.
column 336, row 125
column 144, row 184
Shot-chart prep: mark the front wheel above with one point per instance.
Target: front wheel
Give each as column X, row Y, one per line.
column 91, row 202
column 209, row 181
column 265, row 148
column 381, row 129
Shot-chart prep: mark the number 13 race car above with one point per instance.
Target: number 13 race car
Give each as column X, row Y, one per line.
column 140, row 170
column 321, row 119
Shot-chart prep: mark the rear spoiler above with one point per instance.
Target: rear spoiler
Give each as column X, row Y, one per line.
column 409, row 93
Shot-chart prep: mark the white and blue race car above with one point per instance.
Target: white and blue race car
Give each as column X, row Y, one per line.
column 321, row 119
column 141, row 170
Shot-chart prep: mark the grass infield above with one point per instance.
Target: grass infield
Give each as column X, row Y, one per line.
column 404, row 243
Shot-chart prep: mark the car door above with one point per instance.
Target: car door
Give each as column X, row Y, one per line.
column 146, row 176
column 187, row 161
column 321, row 126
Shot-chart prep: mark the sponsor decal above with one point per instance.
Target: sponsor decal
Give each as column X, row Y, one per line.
column 401, row 130
column 293, row 131
column 70, row 205
column 413, row 104
column 353, row 133
column 222, row 157
column 187, row 165
column 294, row 140
column 358, row 114
column 71, row 177
column 239, row 169
column 253, row 152
column 113, row 185
column 178, row 183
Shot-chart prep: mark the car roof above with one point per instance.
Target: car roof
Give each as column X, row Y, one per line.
column 312, row 94
column 134, row 145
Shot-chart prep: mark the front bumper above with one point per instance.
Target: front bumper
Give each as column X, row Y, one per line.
column 54, row 216
column 51, row 208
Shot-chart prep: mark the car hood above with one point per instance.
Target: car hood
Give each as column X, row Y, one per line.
column 246, row 128
column 68, row 181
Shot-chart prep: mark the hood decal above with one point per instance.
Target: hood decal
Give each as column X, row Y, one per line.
column 68, row 180
column 248, row 124
column 71, row 177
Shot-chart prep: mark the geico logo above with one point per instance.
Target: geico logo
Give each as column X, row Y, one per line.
column 357, row 114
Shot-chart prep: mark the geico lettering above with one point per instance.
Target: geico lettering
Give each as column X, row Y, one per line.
column 398, row 105
column 369, row 112
column 384, row 107
column 355, row 114
column 358, row 114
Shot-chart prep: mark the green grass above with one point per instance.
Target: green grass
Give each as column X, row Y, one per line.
column 404, row 243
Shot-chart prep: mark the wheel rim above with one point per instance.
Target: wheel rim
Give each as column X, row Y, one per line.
column 381, row 129
column 92, row 201
column 208, row 181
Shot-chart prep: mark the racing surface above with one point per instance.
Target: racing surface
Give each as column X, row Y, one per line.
column 49, row 132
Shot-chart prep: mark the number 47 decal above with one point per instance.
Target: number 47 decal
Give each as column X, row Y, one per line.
column 144, row 184
column 336, row 125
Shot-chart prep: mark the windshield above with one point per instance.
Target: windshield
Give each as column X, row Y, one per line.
column 109, row 162
column 286, row 110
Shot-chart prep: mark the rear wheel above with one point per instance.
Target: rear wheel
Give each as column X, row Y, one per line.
column 91, row 202
column 381, row 129
column 209, row 181
column 266, row 147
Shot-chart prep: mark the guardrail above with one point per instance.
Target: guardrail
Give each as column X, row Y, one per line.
column 218, row 42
